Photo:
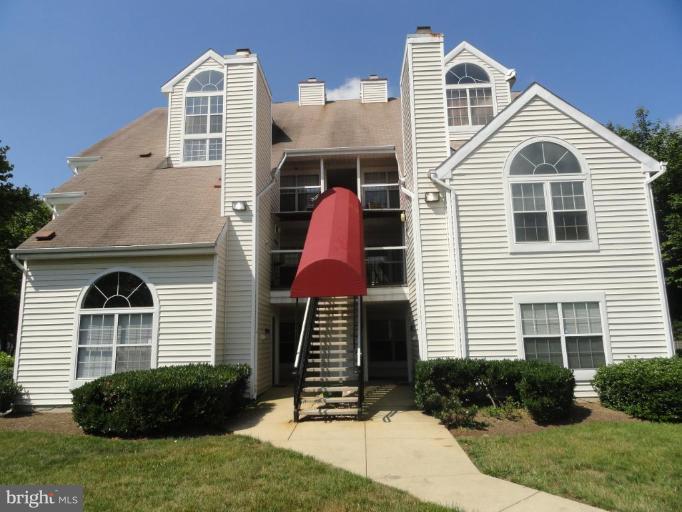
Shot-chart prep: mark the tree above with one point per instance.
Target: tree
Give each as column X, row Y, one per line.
column 663, row 142
column 22, row 213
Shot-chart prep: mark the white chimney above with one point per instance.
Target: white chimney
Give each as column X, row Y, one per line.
column 311, row 92
column 373, row 89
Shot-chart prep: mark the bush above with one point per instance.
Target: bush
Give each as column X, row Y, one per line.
column 546, row 390
column 9, row 390
column 160, row 401
column 453, row 413
column 6, row 360
column 650, row 389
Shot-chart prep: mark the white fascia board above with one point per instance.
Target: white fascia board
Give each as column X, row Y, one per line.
column 63, row 197
column 508, row 73
column 360, row 150
column 535, row 90
column 116, row 250
column 168, row 86
column 81, row 163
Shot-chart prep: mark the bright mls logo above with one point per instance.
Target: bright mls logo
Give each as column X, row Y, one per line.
column 68, row 498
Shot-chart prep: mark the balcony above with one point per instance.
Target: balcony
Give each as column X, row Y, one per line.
column 385, row 266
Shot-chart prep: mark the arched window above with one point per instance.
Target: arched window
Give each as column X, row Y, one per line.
column 469, row 95
column 115, row 326
column 550, row 196
column 204, row 117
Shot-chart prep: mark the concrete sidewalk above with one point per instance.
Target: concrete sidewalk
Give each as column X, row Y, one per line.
column 398, row 446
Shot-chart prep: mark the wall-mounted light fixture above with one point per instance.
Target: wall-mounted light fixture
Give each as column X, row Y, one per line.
column 239, row 206
column 432, row 197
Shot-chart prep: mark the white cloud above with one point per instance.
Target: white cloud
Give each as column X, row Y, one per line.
column 348, row 90
column 676, row 121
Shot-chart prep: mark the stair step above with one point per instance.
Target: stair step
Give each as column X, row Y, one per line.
column 330, row 368
column 329, row 359
column 331, row 399
column 330, row 412
column 339, row 379
column 330, row 389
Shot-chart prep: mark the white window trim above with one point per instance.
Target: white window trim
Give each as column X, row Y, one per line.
column 221, row 135
column 379, row 186
column 558, row 298
column 490, row 85
column 75, row 382
column 552, row 245
column 301, row 188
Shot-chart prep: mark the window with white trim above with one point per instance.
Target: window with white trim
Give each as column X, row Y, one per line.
column 298, row 192
column 548, row 190
column 469, row 96
column 565, row 333
column 115, row 328
column 203, row 137
column 380, row 190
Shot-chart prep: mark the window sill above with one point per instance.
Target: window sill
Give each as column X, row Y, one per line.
column 567, row 247
column 199, row 163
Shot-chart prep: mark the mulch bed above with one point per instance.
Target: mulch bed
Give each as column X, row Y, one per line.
column 54, row 422
column 583, row 412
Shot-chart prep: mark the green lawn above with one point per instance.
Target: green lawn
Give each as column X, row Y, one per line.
column 202, row 473
column 630, row 467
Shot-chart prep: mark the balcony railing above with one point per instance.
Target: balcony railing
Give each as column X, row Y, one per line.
column 379, row 197
column 385, row 266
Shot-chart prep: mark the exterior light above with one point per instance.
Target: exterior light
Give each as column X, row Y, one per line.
column 432, row 197
column 239, row 206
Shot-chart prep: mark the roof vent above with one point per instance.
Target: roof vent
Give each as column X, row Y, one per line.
column 242, row 52
column 45, row 234
column 374, row 89
column 311, row 92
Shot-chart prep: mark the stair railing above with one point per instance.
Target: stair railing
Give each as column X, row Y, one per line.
column 301, row 361
column 359, row 361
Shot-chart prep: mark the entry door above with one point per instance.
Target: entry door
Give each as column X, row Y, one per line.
column 387, row 343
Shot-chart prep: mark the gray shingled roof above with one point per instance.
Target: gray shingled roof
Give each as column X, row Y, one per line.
column 134, row 201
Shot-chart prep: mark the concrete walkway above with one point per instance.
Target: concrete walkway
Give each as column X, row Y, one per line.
column 398, row 446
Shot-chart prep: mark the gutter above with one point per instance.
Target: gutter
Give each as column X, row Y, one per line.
column 360, row 150
column 19, row 265
column 454, row 229
column 117, row 250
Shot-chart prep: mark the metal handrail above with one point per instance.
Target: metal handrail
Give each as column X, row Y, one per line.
column 359, row 358
column 301, row 361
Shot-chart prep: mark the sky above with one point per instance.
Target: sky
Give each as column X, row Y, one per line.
column 73, row 72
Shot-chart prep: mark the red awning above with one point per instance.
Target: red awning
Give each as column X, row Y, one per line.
column 333, row 259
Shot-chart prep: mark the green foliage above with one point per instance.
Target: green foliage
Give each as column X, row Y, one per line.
column 508, row 410
column 160, row 401
column 6, row 360
column 546, row 390
column 664, row 143
column 452, row 413
column 650, row 389
column 9, row 390
column 22, row 213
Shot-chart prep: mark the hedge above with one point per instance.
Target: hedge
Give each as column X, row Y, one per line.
column 9, row 390
column 545, row 389
column 160, row 401
column 649, row 389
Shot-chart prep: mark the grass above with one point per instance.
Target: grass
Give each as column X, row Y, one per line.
column 629, row 467
column 202, row 473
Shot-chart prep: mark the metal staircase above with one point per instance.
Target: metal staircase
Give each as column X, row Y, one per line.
column 329, row 362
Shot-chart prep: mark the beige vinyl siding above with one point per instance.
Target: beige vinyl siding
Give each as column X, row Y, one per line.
column 184, row 287
column 176, row 109
column 311, row 94
column 238, row 185
column 374, row 91
column 407, row 206
column 264, row 335
column 502, row 90
column 624, row 268
column 431, row 148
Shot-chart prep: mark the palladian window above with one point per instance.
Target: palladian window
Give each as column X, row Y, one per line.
column 549, row 196
column 115, row 326
column 469, row 96
column 203, row 137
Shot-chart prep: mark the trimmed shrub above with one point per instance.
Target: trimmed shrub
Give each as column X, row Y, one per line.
column 9, row 390
column 650, row 389
column 6, row 360
column 160, row 401
column 455, row 414
column 545, row 389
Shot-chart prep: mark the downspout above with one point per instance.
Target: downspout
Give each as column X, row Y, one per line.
column 454, row 229
column 13, row 259
column 657, row 253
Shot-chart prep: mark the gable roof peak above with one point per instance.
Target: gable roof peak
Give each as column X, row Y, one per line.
column 533, row 91
column 208, row 54
column 509, row 73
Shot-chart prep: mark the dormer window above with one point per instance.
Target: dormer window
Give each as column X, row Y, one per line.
column 469, row 96
column 203, row 133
